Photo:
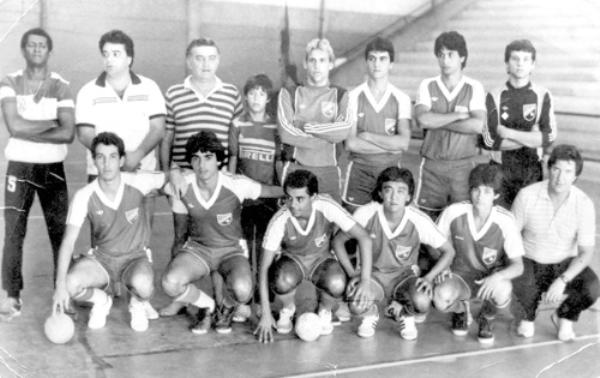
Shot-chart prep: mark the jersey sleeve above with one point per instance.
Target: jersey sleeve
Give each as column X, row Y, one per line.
column 404, row 105
column 156, row 104
column 7, row 88
column 79, row 206
column 586, row 223
column 363, row 214
column 491, row 139
column 64, row 95
column 336, row 214
column 245, row 188
column 444, row 221
column 513, row 243
column 275, row 230
column 423, row 95
column 478, row 99
column 428, row 231
column 146, row 182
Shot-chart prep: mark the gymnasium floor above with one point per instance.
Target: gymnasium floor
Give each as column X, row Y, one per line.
column 169, row 349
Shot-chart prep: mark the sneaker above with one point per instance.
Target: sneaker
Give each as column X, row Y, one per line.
column 203, row 320
column 368, row 324
column 526, row 328
column 139, row 320
column 485, row 334
column 326, row 325
column 284, row 323
column 343, row 312
column 99, row 313
column 460, row 323
column 11, row 308
column 393, row 310
column 150, row 311
column 224, row 319
column 408, row 328
column 420, row 318
column 564, row 328
column 242, row 313
column 172, row 309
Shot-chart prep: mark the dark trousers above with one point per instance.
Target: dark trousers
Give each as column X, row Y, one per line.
column 23, row 180
column 582, row 291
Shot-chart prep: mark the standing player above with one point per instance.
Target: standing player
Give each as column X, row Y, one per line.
column 451, row 110
column 37, row 106
column 521, row 121
column 397, row 231
column 380, row 125
column 558, row 224
column 488, row 254
column 302, row 231
column 113, row 204
column 313, row 120
column 208, row 234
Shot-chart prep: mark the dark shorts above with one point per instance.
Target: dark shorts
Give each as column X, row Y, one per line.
column 116, row 267
column 309, row 264
column 386, row 283
column 360, row 181
column 212, row 258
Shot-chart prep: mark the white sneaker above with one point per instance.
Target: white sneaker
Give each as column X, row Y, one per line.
column 420, row 318
column 99, row 313
column 408, row 328
column 526, row 328
column 284, row 323
column 564, row 328
column 150, row 311
column 242, row 313
column 139, row 320
column 343, row 312
column 368, row 324
column 326, row 324
column 393, row 310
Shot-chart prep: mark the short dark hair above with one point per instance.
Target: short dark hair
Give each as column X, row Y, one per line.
column 108, row 139
column 302, row 178
column 204, row 141
column 380, row 44
column 519, row 45
column 259, row 81
column 118, row 37
column 394, row 174
column 566, row 152
column 488, row 175
column 452, row 40
column 37, row 31
column 203, row 41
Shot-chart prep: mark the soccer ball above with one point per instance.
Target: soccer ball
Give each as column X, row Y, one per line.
column 308, row 326
column 59, row 328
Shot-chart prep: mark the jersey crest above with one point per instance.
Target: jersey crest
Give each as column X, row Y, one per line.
column 489, row 255
column 328, row 109
column 320, row 241
column 390, row 126
column 400, row 251
column 225, row 219
column 529, row 112
column 132, row 215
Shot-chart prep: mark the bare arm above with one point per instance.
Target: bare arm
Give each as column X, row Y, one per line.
column 391, row 143
column 65, row 254
column 165, row 150
column 180, row 226
column 427, row 119
column 153, row 138
column 19, row 127
column 447, row 255
column 271, row 191
column 264, row 330
column 339, row 247
column 63, row 133
column 471, row 125
column 85, row 134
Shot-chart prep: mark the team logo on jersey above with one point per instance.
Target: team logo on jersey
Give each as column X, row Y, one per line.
column 529, row 111
column 328, row 109
column 132, row 215
column 99, row 212
column 390, row 126
column 320, row 241
column 225, row 219
column 361, row 115
column 400, row 251
column 489, row 255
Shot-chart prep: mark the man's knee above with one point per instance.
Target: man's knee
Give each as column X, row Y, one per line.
column 331, row 278
column 74, row 285
column 173, row 284
column 284, row 276
column 142, row 284
column 410, row 298
column 503, row 293
column 241, row 287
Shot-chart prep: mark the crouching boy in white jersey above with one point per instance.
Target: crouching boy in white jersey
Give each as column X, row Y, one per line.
column 113, row 205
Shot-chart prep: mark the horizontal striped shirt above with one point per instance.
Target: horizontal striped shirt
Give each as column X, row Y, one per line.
column 551, row 235
column 189, row 112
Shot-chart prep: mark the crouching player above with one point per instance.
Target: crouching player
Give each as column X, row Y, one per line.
column 397, row 231
column 302, row 229
column 488, row 254
column 208, row 232
column 113, row 204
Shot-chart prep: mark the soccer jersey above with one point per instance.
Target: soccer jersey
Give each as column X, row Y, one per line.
column 215, row 223
column 189, row 112
column 483, row 250
column 378, row 117
column 255, row 144
column 100, row 107
column 524, row 109
column 307, row 110
column 54, row 96
column 467, row 96
column 284, row 231
column 395, row 250
column 119, row 226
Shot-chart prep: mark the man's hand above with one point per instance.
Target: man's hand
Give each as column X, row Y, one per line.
column 61, row 298
column 264, row 329
column 425, row 286
column 177, row 180
column 488, row 286
column 445, row 274
column 556, row 291
column 360, row 294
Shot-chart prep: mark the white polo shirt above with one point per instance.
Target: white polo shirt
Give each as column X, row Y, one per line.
column 100, row 107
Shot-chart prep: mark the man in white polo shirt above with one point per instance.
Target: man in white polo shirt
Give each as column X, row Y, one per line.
column 120, row 101
column 558, row 224
column 37, row 106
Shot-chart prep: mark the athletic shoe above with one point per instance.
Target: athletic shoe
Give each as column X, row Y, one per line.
column 564, row 327
column 343, row 312
column 460, row 323
column 408, row 328
column 393, row 310
column 485, row 334
column 326, row 325
column 11, row 308
column 172, row 309
column 242, row 313
column 203, row 320
column 224, row 319
column 369, row 322
column 420, row 318
column 150, row 311
column 284, row 323
column 139, row 319
column 99, row 313
column 526, row 328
